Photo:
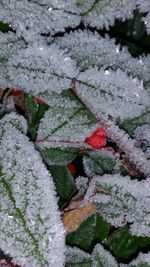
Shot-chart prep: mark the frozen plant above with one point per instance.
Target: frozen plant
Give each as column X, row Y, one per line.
column 75, row 133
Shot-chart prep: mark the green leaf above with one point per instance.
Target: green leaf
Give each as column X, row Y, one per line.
column 77, row 258
column 58, row 155
column 124, row 245
column 129, row 125
column 99, row 162
column 35, row 112
column 65, row 186
column 92, row 230
column 29, row 229
column 4, row 27
column 102, row 258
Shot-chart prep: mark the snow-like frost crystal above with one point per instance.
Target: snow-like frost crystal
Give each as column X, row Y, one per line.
column 38, row 69
column 113, row 93
column 39, row 16
column 141, row 260
column 31, row 230
column 122, row 200
column 89, row 49
column 102, row 257
column 102, row 13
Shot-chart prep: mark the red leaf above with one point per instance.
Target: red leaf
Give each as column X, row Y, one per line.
column 39, row 100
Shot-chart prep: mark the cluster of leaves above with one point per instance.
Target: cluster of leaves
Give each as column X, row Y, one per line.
column 75, row 133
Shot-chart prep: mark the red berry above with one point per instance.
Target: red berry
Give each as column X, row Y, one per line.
column 39, row 100
column 97, row 139
column 15, row 92
column 72, row 168
column 101, row 132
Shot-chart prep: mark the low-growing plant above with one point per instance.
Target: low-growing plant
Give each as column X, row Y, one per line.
column 75, row 133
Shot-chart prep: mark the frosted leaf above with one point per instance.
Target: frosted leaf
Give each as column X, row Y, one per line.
column 112, row 93
column 121, row 200
column 103, row 13
column 15, row 120
column 67, row 121
column 38, row 69
column 39, row 17
column 98, row 162
column 143, row 260
column 102, row 257
column 89, row 49
column 31, row 230
column 76, row 256
column 10, row 44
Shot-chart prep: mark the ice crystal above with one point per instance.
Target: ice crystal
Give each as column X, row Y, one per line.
column 123, row 200
column 31, row 230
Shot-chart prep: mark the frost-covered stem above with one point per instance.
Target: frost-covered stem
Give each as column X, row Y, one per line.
column 120, row 137
column 53, row 144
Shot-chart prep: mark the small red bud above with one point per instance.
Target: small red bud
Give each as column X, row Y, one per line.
column 72, row 168
column 15, row 92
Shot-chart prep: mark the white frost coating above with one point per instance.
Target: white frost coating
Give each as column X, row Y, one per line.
column 144, row 6
column 31, row 230
column 82, row 184
column 142, row 134
column 38, row 69
column 10, row 44
column 66, row 122
column 122, row 200
column 141, row 260
column 37, row 17
column 147, row 22
column 103, row 12
column 113, row 93
column 102, row 257
column 15, row 120
column 76, row 256
column 89, row 49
